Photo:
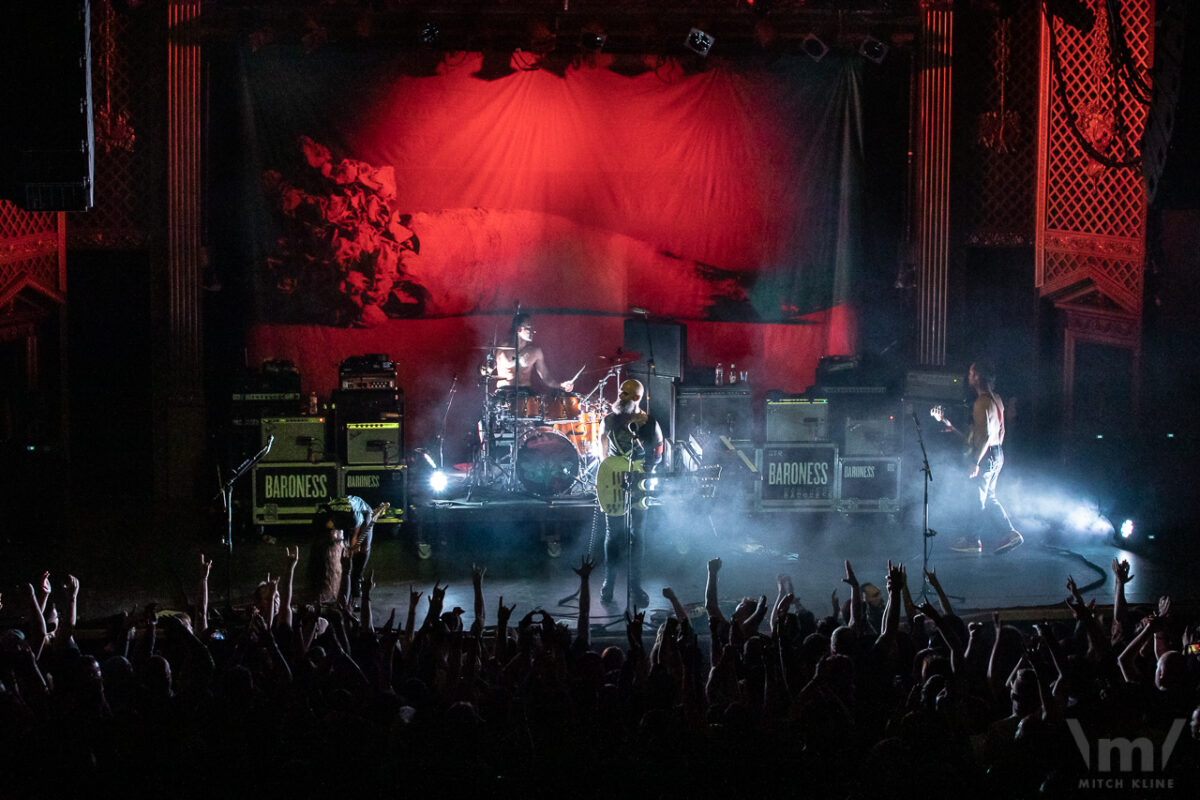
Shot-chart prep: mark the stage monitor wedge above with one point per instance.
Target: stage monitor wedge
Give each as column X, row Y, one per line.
column 47, row 143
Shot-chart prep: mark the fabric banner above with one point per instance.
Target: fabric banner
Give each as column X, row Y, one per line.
column 410, row 215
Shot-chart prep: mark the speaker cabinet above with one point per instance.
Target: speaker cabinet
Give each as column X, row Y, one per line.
column 297, row 439
column 665, row 342
column 47, row 161
column 713, row 411
column 797, row 419
column 374, row 443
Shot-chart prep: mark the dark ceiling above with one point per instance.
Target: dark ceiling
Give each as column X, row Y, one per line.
column 739, row 27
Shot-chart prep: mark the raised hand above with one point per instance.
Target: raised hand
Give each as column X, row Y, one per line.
column 503, row 614
column 1074, row 589
column 896, row 577
column 477, row 574
column 669, row 593
column 205, row 569
column 586, row 565
column 70, row 587
column 1164, row 606
column 291, row 555
column 414, row 595
column 850, row 578
column 714, row 565
column 1121, row 571
column 931, row 576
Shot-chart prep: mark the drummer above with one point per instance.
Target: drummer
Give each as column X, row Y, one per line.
column 529, row 356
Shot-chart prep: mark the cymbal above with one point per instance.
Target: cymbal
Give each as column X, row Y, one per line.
column 620, row 359
column 494, row 347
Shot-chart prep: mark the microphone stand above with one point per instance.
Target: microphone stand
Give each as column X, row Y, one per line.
column 927, row 533
column 226, row 495
column 441, row 436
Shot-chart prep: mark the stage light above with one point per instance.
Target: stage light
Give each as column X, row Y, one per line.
column 873, row 50
column 429, row 34
column 813, row 47
column 1127, row 529
column 699, row 42
column 592, row 37
column 438, row 481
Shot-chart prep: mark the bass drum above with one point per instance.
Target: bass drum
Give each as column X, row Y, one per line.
column 547, row 463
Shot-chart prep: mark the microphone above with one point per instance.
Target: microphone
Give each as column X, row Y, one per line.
column 915, row 420
column 270, row 441
column 641, row 312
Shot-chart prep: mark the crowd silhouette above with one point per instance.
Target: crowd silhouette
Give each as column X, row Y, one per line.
column 858, row 699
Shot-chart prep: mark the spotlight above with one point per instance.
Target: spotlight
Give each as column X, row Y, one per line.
column 699, row 42
column 429, row 34
column 1127, row 529
column 813, row 47
column 873, row 50
column 592, row 38
column 438, row 481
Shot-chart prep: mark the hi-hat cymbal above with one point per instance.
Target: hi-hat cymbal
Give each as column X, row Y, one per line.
column 620, row 359
column 494, row 347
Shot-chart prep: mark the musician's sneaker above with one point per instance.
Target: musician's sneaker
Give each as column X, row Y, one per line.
column 606, row 592
column 966, row 544
column 1011, row 540
column 640, row 598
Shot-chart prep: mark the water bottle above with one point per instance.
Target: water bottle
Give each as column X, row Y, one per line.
column 732, row 373
column 719, row 377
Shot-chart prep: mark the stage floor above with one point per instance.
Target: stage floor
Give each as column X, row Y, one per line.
column 530, row 547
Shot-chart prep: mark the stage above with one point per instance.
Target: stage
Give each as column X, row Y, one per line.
column 530, row 546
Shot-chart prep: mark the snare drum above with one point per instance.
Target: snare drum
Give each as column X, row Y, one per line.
column 559, row 405
column 547, row 463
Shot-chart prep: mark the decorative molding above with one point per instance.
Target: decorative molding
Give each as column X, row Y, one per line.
column 1094, row 244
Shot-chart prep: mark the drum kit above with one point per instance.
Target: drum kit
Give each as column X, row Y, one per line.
column 546, row 444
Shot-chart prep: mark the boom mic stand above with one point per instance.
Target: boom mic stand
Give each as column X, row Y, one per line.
column 226, row 495
column 927, row 533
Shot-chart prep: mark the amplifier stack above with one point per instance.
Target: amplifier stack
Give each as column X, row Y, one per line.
column 364, row 425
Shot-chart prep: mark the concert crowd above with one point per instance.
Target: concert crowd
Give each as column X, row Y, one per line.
column 871, row 697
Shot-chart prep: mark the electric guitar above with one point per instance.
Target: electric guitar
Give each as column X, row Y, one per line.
column 613, row 476
column 615, row 480
column 939, row 413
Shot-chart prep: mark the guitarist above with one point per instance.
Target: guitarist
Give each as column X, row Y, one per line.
column 985, row 459
column 629, row 434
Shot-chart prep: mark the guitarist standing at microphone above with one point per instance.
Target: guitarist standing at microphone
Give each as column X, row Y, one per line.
column 985, row 457
column 632, row 436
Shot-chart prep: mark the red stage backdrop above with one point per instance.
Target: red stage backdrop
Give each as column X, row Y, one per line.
column 408, row 215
